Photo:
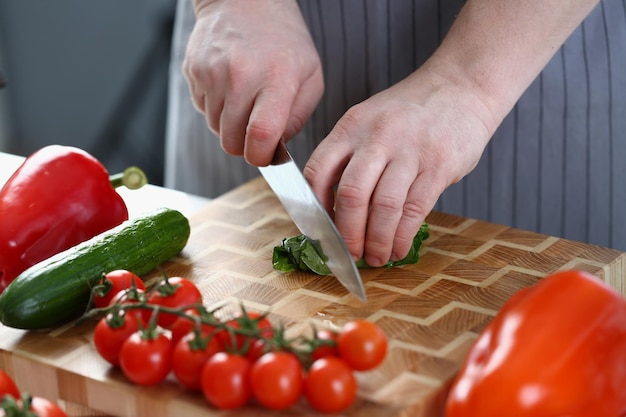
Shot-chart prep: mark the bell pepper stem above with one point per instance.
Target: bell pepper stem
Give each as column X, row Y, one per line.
column 132, row 178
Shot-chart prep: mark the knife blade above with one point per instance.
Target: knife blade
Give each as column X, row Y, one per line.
column 292, row 189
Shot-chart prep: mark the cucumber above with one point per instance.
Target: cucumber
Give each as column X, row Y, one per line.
column 57, row 290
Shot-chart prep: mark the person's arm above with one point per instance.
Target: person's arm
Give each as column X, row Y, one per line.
column 498, row 47
column 254, row 72
column 393, row 155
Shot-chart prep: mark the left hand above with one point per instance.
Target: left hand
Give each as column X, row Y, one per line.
column 391, row 157
column 394, row 154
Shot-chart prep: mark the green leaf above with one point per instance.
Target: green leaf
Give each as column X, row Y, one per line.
column 305, row 254
column 300, row 253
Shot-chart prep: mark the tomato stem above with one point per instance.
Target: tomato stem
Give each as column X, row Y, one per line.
column 247, row 327
column 13, row 408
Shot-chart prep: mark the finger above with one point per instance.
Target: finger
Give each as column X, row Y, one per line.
column 354, row 193
column 197, row 96
column 267, row 122
column 324, row 168
column 214, row 105
column 304, row 104
column 208, row 101
column 233, row 121
column 386, row 210
column 421, row 198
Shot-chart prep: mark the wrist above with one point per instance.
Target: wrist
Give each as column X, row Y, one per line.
column 438, row 76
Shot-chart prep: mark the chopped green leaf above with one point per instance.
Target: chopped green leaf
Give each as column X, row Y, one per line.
column 302, row 253
column 305, row 254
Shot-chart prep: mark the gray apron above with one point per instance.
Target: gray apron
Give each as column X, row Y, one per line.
column 556, row 165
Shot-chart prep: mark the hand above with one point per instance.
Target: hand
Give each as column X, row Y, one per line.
column 392, row 156
column 254, row 73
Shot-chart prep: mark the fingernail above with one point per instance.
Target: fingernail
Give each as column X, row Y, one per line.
column 374, row 261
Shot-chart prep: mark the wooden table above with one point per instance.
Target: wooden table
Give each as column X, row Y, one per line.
column 432, row 311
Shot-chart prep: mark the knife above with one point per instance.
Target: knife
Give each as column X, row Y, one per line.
column 292, row 189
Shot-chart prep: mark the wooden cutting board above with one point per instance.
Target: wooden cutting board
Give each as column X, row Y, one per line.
column 431, row 311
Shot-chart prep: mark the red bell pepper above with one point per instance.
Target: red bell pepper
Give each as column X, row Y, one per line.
column 555, row 349
column 60, row 196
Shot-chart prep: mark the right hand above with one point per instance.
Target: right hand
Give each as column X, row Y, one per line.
column 254, row 72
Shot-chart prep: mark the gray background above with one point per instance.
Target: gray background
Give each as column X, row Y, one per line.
column 91, row 74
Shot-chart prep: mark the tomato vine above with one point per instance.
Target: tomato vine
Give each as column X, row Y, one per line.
column 249, row 356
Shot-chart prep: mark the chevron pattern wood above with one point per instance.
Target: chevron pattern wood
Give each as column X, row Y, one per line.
column 432, row 311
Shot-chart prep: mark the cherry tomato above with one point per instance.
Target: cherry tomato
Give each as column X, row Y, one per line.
column 258, row 348
column 330, row 386
column 189, row 356
column 145, row 360
column 249, row 321
column 277, row 380
column 8, row 386
column 130, row 297
column 226, row 381
column 183, row 326
column 325, row 350
column 362, row 345
column 111, row 332
column 113, row 283
column 174, row 292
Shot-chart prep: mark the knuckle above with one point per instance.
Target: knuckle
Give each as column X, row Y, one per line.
column 387, row 203
column 376, row 244
column 351, row 117
column 312, row 169
column 350, row 196
column 199, row 72
column 347, row 123
column 414, row 210
column 261, row 130
column 352, row 240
